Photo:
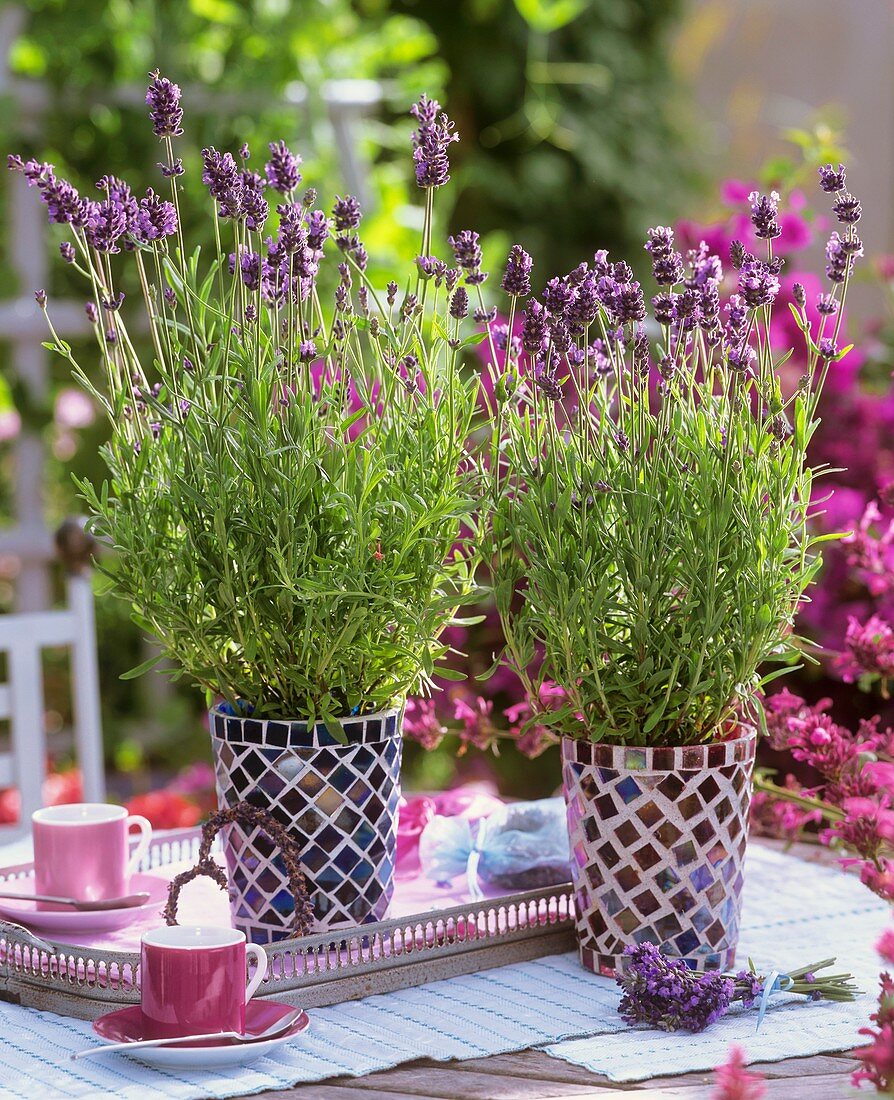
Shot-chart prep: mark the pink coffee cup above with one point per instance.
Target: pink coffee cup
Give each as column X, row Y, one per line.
column 83, row 851
column 193, row 980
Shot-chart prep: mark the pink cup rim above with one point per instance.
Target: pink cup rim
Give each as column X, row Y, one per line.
column 193, row 937
column 79, row 813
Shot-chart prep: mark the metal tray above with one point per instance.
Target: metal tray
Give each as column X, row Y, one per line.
column 344, row 965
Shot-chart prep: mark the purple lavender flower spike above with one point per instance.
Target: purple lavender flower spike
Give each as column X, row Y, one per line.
column 757, row 284
column 106, row 224
column 171, row 170
column 112, row 305
column 221, row 176
column 848, row 209
column 92, row 314
column 664, row 308
column 535, row 329
column 346, row 213
column 163, row 98
column 583, row 309
column 832, row 180
column 764, row 212
column 827, row 305
column 629, row 303
column 838, row 261
column 466, row 249
column 517, row 277
column 40, row 296
column 433, row 135
column 155, row 220
column 557, row 296
column 282, row 168
column 667, row 264
column 254, row 208
column 67, row 252
column 317, row 229
column 459, row 303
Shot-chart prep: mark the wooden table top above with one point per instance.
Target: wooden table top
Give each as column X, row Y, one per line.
column 533, row 1075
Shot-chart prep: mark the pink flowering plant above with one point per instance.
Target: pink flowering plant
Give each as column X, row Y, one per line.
column 651, row 493
column 289, row 490
column 852, row 798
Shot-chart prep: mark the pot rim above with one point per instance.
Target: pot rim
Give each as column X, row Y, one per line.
column 750, row 734
column 386, row 713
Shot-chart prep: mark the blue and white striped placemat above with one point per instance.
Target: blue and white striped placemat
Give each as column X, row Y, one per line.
column 794, row 913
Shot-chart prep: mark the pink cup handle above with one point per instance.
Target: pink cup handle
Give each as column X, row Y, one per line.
column 145, row 827
column 253, row 950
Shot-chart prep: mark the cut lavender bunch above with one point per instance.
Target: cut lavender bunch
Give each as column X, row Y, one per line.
column 664, row 993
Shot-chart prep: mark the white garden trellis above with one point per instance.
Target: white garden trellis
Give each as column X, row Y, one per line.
column 21, row 324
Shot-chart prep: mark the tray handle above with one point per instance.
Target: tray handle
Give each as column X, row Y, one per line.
column 27, row 936
column 243, row 813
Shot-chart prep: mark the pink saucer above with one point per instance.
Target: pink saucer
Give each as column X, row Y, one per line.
column 56, row 920
column 125, row 1025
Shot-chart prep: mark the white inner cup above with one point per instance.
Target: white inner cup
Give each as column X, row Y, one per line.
column 79, row 813
column 190, row 937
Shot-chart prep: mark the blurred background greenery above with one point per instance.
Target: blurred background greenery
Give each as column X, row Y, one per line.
column 573, row 137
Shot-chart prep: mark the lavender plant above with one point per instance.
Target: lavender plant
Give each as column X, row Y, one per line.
column 650, row 485
column 289, row 490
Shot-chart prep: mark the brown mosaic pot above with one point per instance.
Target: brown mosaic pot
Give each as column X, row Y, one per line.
column 658, row 841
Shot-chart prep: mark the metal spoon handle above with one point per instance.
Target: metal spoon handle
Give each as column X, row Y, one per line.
column 111, row 1047
column 268, row 1033
column 128, row 902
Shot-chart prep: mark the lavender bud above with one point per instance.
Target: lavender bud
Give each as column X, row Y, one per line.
column 40, row 296
column 830, row 180
column 799, row 294
column 171, row 171
column 67, row 252
column 90, row 310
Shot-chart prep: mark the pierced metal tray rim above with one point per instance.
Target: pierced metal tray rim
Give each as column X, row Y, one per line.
column 336, row 965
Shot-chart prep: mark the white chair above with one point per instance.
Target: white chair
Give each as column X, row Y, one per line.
column 22, row 638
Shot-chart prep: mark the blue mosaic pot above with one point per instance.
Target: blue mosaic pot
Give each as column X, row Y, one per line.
column 658, row 840
column 340, row 802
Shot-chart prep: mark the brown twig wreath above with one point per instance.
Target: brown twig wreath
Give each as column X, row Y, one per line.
column 243, row 813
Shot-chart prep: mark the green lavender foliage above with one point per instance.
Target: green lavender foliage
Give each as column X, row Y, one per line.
column 651, row 543
column 294, row 536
